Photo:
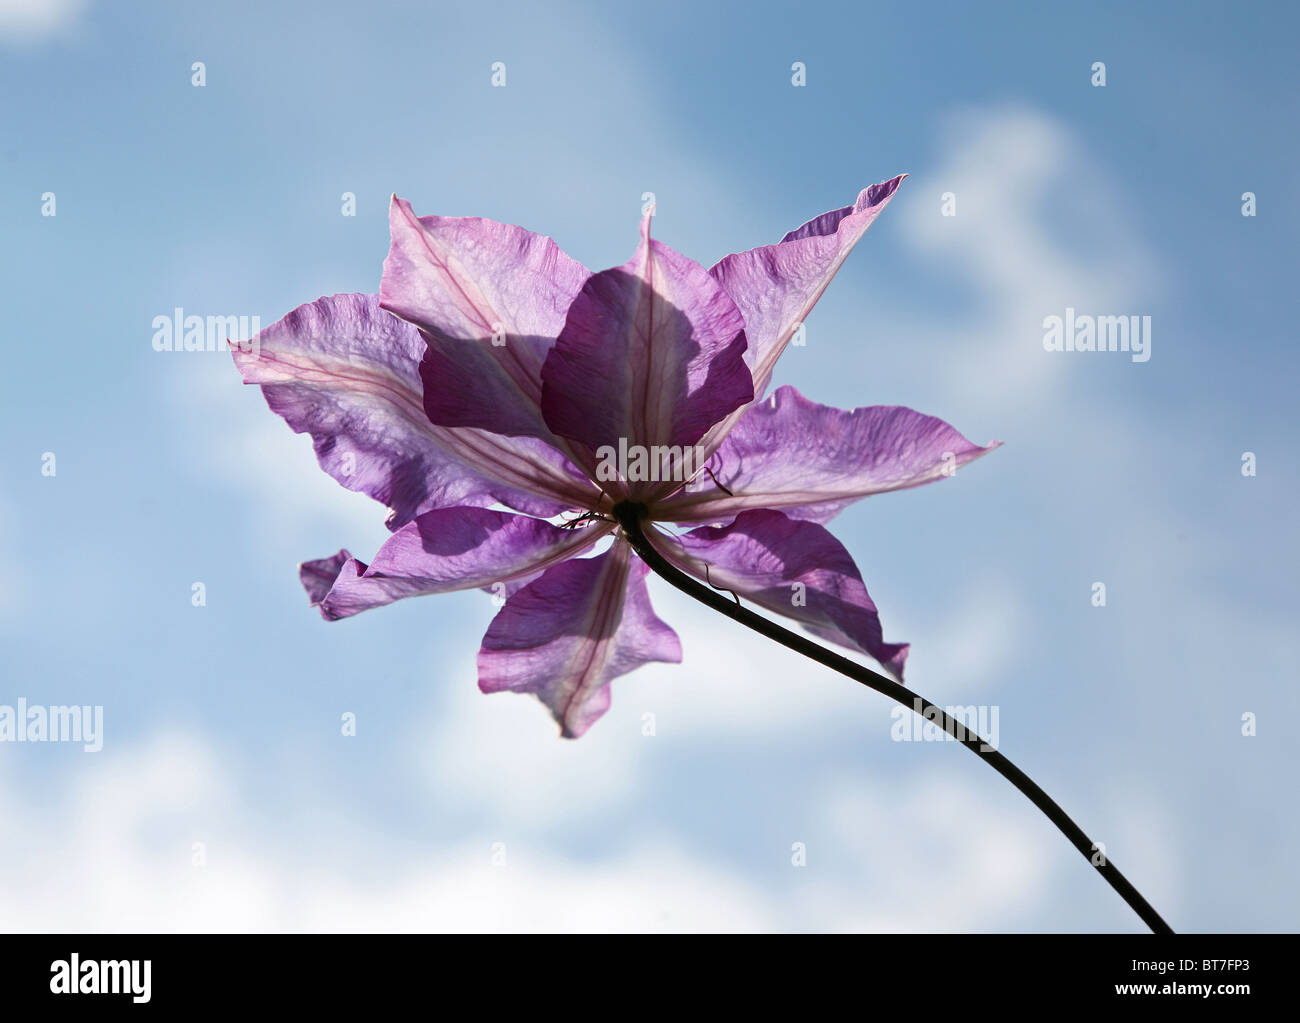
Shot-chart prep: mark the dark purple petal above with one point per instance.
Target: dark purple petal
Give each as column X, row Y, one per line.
column 452, row 549
column 318, row 576
column 776, row 286
column 811, row 460
column 346, row 371
column 652, row 353
column 797, row 569
column 568, row 634
column 490, row 299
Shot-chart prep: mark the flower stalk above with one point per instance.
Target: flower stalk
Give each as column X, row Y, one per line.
column 630, row 517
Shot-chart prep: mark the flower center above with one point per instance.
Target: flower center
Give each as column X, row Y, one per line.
column 630, row 513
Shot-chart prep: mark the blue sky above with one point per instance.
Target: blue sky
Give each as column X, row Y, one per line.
column 222, row 721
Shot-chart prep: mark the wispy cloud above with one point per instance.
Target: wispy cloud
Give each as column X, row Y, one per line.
column 114, row 848
column 31, row 20
column 1038, row 226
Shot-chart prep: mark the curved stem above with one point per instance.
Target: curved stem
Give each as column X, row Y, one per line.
column 630, row 518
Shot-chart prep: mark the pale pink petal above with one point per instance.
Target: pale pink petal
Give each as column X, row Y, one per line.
column 776, row 286
column 446, row 550
column 568, row 634
column 796, row 569
column 347, row 372
column 811, row 460
column 490, row 299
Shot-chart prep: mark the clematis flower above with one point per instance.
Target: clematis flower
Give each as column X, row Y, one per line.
column 481, row 394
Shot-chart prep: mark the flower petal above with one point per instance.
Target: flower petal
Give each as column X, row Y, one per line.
column 567, row 635
column 797, row 569
column 490, row 299
column 318, row 576
column 652, row 353
column 346, row 371
column 776, row 286
column 812, row 460
column 445, row 550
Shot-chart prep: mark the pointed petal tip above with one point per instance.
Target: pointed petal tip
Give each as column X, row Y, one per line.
column 318, row 576
column 400, row 212
column 896, row 663
column 878, row 194
column 236, row 350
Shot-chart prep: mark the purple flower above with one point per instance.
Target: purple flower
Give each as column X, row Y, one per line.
column 493, row 370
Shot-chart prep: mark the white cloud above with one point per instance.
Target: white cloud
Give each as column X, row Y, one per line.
column 655, row 888
column 983, row 862
column 113, row 851
column 502, row 753
column 30, row 20
column 111, row 846
column 1038, row 227
column 968, row 648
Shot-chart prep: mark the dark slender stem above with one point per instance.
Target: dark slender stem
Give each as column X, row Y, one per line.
column 630, row 517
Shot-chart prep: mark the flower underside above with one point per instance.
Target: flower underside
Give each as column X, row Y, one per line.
column 494, row 384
